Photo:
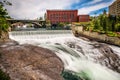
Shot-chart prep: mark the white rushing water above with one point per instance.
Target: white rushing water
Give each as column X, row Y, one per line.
column 78, row 55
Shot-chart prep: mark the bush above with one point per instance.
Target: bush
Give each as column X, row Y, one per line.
column 112, row 34
column 117, row 27
column 101, row 32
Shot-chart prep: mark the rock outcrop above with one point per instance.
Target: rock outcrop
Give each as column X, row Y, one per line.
column 27, row 62
column 109, row 57
column 105, row 56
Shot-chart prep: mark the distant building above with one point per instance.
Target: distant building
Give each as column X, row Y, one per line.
column 114, row 8
column 56, row 16
column 83, row 18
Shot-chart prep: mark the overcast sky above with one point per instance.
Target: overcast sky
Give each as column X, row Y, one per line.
column 32, row 9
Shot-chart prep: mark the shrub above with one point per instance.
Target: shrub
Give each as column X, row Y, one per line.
column 112, row 34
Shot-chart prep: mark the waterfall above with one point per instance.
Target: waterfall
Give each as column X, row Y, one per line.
column 43, row 36
column 78, row 55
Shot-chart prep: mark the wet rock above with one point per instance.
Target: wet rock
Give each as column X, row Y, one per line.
column 108, row 57
column 27, row 62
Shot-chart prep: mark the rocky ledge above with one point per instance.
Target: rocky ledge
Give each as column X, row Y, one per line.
column 28, row 62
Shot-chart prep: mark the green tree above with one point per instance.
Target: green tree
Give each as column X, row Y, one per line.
column 96, row 24
column 48, row 24
column 112, row 21
column 117, row 27
column 3, row 22
column 101, row 22
column 104, row 23
column 61, row 24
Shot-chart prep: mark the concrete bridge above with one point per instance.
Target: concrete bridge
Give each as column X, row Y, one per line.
column 39, row 23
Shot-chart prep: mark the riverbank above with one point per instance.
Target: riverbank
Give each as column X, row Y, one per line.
column 97, row 36
column 28, row 62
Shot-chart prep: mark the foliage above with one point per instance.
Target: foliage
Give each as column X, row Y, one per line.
column 106, row 24
column 96, row 24
column 112, row 34
column 3, row 76
column 61, row 24
column 40, row 18
column 3, row 16
column 48, row 24
column 3, row 25
column 117, row 27
column 3, row 12
column 3, row 2
column 86, row 25
column 90, row 26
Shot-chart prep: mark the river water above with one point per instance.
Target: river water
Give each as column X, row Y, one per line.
column 98, row 61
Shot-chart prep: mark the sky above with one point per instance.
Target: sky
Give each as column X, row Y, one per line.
column 33, row 9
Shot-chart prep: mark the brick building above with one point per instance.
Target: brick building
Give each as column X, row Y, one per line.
column 56, row 16
column 83, row 18
column 114, row 8
column 68, row 16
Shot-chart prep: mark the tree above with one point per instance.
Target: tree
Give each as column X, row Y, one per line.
column 45, row 16
column 40, row 18
column 117, row 27
column 3, row 22
column 104, row 23
column 96, row 23
column 112, row 21
column 101, row 23
column 104, row 12
column 48, row 24
column 3, row 2
column 61, row 24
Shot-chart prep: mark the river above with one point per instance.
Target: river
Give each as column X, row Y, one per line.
column 98, row 61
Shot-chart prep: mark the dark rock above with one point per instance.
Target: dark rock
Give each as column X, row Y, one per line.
column 108, row 57
column 69, row 75
column 27, row 62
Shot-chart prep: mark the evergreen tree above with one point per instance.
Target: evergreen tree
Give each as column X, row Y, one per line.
column 104, row 23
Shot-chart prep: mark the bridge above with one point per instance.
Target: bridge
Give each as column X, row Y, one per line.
column 39, row 23
column 20, row 20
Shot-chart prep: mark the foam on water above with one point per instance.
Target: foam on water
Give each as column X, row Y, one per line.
column 73, row 60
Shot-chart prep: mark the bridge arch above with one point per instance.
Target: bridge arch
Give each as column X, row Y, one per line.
column 37, row 23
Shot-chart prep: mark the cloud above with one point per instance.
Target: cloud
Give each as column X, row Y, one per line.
column 95, row 1
column 91, row 2
column 31, row 9
column 89, row 9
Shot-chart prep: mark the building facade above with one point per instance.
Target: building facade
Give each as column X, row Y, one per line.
column 57, row 16
column 114, row 8
column 83, row 18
